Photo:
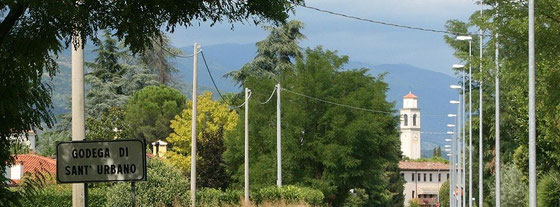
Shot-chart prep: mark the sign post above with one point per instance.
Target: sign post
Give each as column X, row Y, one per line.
column 100, row 161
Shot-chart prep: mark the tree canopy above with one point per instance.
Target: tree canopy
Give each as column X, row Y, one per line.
column 150, row 110
column 328, row 147
column 214, row 121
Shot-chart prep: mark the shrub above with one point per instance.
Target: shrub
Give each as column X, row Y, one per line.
column 165, row 186
column 357, row 198
column 549, row 190
column 215, row 197
column 289, row 194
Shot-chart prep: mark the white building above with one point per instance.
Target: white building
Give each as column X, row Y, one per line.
column 410, row 127
column 423, row 181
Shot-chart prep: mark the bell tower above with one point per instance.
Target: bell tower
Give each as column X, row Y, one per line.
column 410, row 127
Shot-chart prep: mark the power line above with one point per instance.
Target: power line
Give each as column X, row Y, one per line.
column 338, row 104
column 385, row 23
column 271, row 95
column 212, row 78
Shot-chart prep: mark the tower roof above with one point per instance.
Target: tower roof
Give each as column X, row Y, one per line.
column 410, row 96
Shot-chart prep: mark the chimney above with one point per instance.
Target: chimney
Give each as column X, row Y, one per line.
column 159, row 148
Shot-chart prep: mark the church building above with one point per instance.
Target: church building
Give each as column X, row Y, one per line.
column 410, row 127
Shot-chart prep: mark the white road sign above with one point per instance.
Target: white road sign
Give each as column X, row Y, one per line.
column 100, row 161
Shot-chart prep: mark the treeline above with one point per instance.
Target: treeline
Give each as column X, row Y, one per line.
column 328, row 151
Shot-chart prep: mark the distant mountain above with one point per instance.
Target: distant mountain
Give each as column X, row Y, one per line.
column 432, row 88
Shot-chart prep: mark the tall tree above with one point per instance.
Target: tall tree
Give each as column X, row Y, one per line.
column 150, row 110
column 215, row 121
column 325, row 146
column 274, row 54
column 33, row 33
column 157, row 59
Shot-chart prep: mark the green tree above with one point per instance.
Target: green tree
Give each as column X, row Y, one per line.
column 513, row 188
column 149, row 111
column 46, row 142
column 509, row 20
column 274, row 54
column 156, row 59
column 325, row 146
column 444, row 194
column 437, row 152
column 34, row 33
column 108, row 126
column 215, row 120
column 549, row 190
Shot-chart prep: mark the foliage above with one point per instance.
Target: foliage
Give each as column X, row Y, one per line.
column 437, row 152
column 509, row 19
column 549, row 190
column 274, row 54
column 431, row 159
column 149, row 111
column 357, row 198
column 156, row 59
column 164, row 186
column 33, row 34
column 41, row 189
column 214, row 121
column 46, row 142
column 289, row 195
column 413, row 203
column 326, row 147
column 214, row 197
column 108, row 126
column 444, row 194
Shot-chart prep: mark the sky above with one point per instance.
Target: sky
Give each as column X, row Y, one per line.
column 361, row 41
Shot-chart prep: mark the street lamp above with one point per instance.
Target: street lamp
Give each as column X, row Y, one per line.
column 451, row 115
column 460, row 125
column 448, row 140
column 469, row 38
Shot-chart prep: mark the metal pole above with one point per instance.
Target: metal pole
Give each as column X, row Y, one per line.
column 78, row 111
column 462, row 146
column 247, row 147
column 480, row 120
column 470, row 125
column 133, row 186
column 194, row 132
column 498, row 185
column 532, row 132
column 278, row 137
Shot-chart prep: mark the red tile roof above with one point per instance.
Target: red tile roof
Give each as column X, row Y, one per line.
column 412, row 165
column 32, row 163
column 410, row 95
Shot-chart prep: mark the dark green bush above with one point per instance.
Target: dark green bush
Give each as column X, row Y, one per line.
column 214, row 197
column 290, row 194
column 549, row 190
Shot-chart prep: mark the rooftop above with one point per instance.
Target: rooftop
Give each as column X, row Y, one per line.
column 410, row 96
column 413, row 165
column 33, row 163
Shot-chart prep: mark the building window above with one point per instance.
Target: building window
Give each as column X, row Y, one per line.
column 418, row 176
column 412, row 175
column 430, row 177
column 439, row 177
column 448, row 176
column 406, row 120
column 424, row 177
column 414, row 120
column 412, row 194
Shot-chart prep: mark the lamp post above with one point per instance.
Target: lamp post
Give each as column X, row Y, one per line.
column 460, row 125
column 469, row 39
column 452, row 168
